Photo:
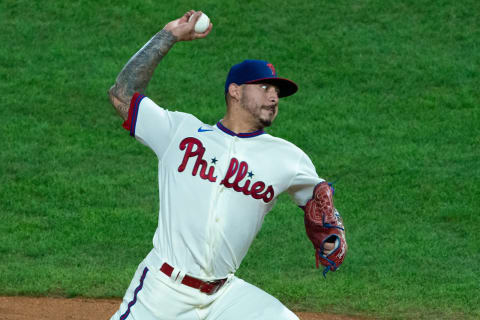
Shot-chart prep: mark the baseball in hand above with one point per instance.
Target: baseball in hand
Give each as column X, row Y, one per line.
column 202, row 24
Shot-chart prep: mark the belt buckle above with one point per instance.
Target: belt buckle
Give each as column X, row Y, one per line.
column 215, row 285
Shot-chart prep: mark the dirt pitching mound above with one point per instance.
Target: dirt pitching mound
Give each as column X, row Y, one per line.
column 30, row 308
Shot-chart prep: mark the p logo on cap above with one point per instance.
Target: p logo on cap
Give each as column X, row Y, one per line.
column 271, row 68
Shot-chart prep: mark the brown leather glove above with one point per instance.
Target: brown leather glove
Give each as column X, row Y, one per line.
column 324, row 225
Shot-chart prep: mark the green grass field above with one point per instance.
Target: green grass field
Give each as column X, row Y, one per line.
column 388, row 107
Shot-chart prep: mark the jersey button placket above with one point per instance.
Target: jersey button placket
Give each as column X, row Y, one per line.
column 213, row 243
column 215, row 209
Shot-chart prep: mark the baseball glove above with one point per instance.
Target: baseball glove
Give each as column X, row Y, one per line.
column 324, row 224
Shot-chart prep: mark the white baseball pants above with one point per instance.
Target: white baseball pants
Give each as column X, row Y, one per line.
column 152, row 295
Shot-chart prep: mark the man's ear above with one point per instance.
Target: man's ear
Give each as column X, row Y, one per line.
column 234, row 91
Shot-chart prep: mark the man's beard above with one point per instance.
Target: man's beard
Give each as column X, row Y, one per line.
column 265, row 123
column 256, row 113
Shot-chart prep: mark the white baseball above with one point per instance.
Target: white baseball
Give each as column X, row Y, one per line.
column 202, row 24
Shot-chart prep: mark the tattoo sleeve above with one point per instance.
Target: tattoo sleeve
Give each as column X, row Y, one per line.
column 138, row 71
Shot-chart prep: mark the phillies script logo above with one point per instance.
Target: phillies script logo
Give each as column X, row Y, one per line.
column 236, row 173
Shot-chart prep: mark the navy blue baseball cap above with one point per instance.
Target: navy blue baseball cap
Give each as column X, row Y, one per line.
column 259, row 71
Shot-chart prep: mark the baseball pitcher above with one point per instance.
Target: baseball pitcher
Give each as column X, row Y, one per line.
column 217, row 183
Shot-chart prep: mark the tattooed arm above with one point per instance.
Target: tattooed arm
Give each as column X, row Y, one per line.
column 138, row 71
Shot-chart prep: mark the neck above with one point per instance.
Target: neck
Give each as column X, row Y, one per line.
column 239, row 124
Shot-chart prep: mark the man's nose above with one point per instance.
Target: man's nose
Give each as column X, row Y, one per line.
column 273, row 96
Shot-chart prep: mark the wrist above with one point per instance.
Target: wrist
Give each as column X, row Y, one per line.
column 167, row 39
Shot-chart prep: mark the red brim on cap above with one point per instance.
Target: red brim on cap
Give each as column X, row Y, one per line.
column 286, row 87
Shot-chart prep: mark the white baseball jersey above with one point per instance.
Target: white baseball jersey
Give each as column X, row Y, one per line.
column 215, row 186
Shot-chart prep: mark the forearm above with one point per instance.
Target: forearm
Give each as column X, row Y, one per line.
column 138, row 71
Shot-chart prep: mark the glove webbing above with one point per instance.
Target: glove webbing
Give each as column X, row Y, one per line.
column 332, row 265
column 319, row 253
